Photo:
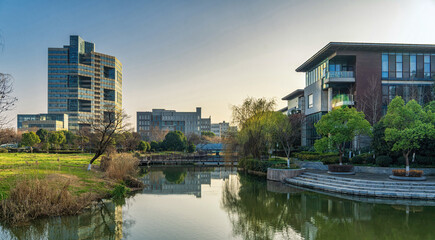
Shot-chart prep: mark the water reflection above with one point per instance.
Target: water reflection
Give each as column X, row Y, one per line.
column 219, row 203
column 102, row 222
column 260, row 210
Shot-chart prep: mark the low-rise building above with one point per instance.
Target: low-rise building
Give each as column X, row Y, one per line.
column 205, row 124
column 220, row 129
column 168, row 120
column 295, row 102
column 48, row 121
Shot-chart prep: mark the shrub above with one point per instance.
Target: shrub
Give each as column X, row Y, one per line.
column 425, row 160
column 3, row 150
column 340, row 168
column 357, row 160
column 122, row 165
column 412, row 173
column 33, row 198
column 313, row 156
column 384, row 161
column 330, row 160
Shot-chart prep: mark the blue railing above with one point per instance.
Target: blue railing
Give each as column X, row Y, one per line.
column 341, row 74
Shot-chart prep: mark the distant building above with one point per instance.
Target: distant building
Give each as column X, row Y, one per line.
column 168, row 120
column 205, row 124
column 48, row 121
column 295, row 102
column 220, row 129
column 83, row 83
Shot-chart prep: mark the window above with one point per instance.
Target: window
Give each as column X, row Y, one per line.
column 413, row 65
column 384, row 65
column 310, row 101
column 426, row 66
column 399, row 65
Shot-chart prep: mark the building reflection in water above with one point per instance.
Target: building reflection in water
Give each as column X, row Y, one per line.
column 101, row 222
column 179, row 180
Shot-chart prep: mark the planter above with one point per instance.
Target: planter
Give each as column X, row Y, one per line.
column 341, row 169
column 408, row 178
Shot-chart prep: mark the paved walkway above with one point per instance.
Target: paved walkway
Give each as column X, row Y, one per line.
column 368, row 176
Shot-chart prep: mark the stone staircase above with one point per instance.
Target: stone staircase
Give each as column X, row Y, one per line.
column 368, row 188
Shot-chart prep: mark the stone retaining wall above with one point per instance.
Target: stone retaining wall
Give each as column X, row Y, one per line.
column 279, row 175
column 361, row 169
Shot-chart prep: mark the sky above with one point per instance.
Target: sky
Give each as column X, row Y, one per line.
column 212, row 54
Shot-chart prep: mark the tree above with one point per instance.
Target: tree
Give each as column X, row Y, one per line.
column 370, row 100
column 30, row 139
column 157, row 134
column 175, row 141
column 406, row 126
column 7, row 102
column 56, row 139
column 82, row 137
column 338, row 127
column 286, row 131
column 208, row 134
column 251, row 117
column 154, row 146
column 142, row 146
column 42, row 134
column 191, row 148
column 8, row 135
column 103, row 130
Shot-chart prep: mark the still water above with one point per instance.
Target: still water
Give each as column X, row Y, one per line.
column 219, row 203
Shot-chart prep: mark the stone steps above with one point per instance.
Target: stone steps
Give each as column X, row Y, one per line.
column 385, row 189
column 397, row 187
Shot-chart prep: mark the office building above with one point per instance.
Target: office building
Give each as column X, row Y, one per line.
column 367, row 76
column 222, row 128
column 205, row 124
column 83, row 83
column 47, row 121
column 168, row 120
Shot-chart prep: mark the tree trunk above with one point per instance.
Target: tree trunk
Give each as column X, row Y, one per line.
column 31, row 149
column 97, row 154
column 288, row 162
column 407, row 163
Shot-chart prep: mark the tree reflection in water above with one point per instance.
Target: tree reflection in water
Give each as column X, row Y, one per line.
column 102, row 222
column 256, row 213
column 175, row 175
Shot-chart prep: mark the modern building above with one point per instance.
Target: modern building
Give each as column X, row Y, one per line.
column 295, row 102
column 82, row 83
column 206, row 124
column 48, row 121
column 365, row 75
column 220, row 129
column 168, row 120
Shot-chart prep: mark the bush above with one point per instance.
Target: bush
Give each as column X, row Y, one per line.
column 357, row 160
column 313, row 156
column 425, row 160
column 384, row 161
column 3, row 150
column 340, row 168
column 120, row 166
column 412, row 173
column 33, row 198
column 261, row 165
column 330, row 160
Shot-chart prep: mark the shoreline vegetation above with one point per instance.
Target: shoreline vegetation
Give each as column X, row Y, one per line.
column 34, row 185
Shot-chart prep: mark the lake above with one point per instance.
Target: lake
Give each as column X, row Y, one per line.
column 220, row 203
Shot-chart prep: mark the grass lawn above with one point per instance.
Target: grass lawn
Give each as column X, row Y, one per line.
column 55, row 167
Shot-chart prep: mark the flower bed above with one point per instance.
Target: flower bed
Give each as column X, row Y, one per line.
column 412, row 173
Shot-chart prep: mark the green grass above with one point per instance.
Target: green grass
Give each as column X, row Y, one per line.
column 72, row 167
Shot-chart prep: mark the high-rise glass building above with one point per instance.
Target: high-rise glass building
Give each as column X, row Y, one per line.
column 83, row 83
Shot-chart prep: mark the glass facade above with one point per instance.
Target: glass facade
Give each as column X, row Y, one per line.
column 311, row 132
column 83, row 83
column 408, row 66
column 318, row 73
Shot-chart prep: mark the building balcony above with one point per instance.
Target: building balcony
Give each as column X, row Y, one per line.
column 342, row 100
column 340, row 76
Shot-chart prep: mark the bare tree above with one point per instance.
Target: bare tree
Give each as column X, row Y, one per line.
column 287, row 132
column 103, row 131
column 7, row 101
column 158, row 134
column 370, row 101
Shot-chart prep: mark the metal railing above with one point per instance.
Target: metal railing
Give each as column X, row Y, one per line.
column 341, row 74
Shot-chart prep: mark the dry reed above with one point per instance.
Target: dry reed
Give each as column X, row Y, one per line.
column 33, row 198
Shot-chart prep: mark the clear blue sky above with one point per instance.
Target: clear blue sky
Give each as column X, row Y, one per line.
column 183, row 54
